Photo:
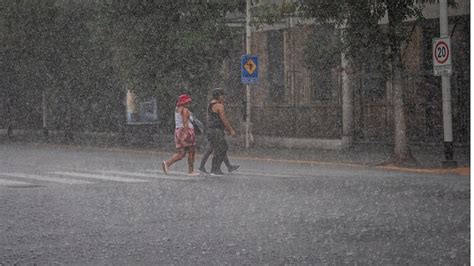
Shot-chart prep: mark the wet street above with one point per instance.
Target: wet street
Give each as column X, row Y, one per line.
column 88, row 206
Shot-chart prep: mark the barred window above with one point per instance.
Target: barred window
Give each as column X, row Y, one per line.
column 276, row 74
column 321, row 85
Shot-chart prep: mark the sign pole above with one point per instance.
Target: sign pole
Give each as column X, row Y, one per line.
column 247, row 47
column 446, row 92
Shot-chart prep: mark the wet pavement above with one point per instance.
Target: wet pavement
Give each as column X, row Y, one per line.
column 73, row 205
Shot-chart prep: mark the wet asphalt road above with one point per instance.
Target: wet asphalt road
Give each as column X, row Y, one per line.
column 83, row 206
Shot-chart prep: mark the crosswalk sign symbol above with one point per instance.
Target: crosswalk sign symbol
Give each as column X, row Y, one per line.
column 249, row 67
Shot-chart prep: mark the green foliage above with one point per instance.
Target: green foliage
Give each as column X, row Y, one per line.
column 158, row 47
column 365, row 42
column 356, row 22
column 24, row 59
column 85, row 54
column 323, row 48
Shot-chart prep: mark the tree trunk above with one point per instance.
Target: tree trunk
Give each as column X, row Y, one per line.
column 9, row 116
column 68, row 118
column 68, row 135
column 122, row 121
column 347, row 100
column 401, row 152
column 44, row 110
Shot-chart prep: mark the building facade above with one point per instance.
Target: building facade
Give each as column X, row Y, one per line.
column 293, row 101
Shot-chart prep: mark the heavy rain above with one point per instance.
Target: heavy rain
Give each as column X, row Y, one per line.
column 242, row 132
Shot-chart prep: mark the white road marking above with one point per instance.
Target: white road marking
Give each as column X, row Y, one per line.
column 101, row 177
column 137, row 174
column 153, row 171
column 267, row 174
column 46, row 178
column 243, row 174
column 247, row 174
column 171, row 176
column 6, row 182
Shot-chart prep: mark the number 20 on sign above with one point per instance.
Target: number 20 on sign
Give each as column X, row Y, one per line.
column 442, row 56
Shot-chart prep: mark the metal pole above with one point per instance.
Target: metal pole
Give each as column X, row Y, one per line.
column 247, row 46
column 446, row 92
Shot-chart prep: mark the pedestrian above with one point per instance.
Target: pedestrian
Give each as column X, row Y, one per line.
column 202, row 168
column 217, row 125
column 184, row 136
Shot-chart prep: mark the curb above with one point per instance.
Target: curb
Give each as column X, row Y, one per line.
column 462, row 171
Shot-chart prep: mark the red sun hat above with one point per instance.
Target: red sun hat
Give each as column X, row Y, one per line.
column 183, row 99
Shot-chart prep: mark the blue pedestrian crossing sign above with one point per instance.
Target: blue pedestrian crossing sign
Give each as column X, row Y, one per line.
column 249, row 67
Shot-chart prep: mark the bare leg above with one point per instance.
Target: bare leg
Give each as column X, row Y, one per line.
column 191, row 153
column 176, row 157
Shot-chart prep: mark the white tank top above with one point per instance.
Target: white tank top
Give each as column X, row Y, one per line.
column 178, row 119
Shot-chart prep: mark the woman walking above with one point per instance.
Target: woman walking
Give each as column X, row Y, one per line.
column 184, row 136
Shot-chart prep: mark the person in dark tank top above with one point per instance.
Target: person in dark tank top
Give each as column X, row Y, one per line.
column 218, row 125
column 215, row 122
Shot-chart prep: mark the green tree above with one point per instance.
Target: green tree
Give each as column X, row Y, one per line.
column 81, row 73
column 25, row 53
column 159, row 47
column 84, row 54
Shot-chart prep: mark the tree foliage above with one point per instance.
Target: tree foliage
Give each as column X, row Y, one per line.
column 85, row 54
column 161, row 48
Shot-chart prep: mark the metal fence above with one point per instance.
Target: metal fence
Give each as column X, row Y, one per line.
column 299, row 117
column 373, row 118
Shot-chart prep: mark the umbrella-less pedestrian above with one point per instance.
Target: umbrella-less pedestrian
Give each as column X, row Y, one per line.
column 184, row 136
column 209, row 149
column 217, row 125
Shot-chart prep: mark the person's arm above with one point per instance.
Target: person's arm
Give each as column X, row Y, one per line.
column 185, row 114
column 222, row 116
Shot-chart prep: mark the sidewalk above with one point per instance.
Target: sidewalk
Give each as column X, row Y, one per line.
column 426, row 156
column 362, row 154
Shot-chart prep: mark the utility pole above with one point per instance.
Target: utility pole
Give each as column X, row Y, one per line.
column 446, row 92
column 247, row 47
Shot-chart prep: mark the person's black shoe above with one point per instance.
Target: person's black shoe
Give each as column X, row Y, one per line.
column 233, row 168
column 217, row 173
column 203, row 170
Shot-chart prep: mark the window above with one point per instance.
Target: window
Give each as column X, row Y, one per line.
column 373, row 87
column 322, row 84
column 275, row 77
column 322, row 58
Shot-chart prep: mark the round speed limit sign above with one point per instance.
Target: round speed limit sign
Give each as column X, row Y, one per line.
column 441, row 51
column 442, row 56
